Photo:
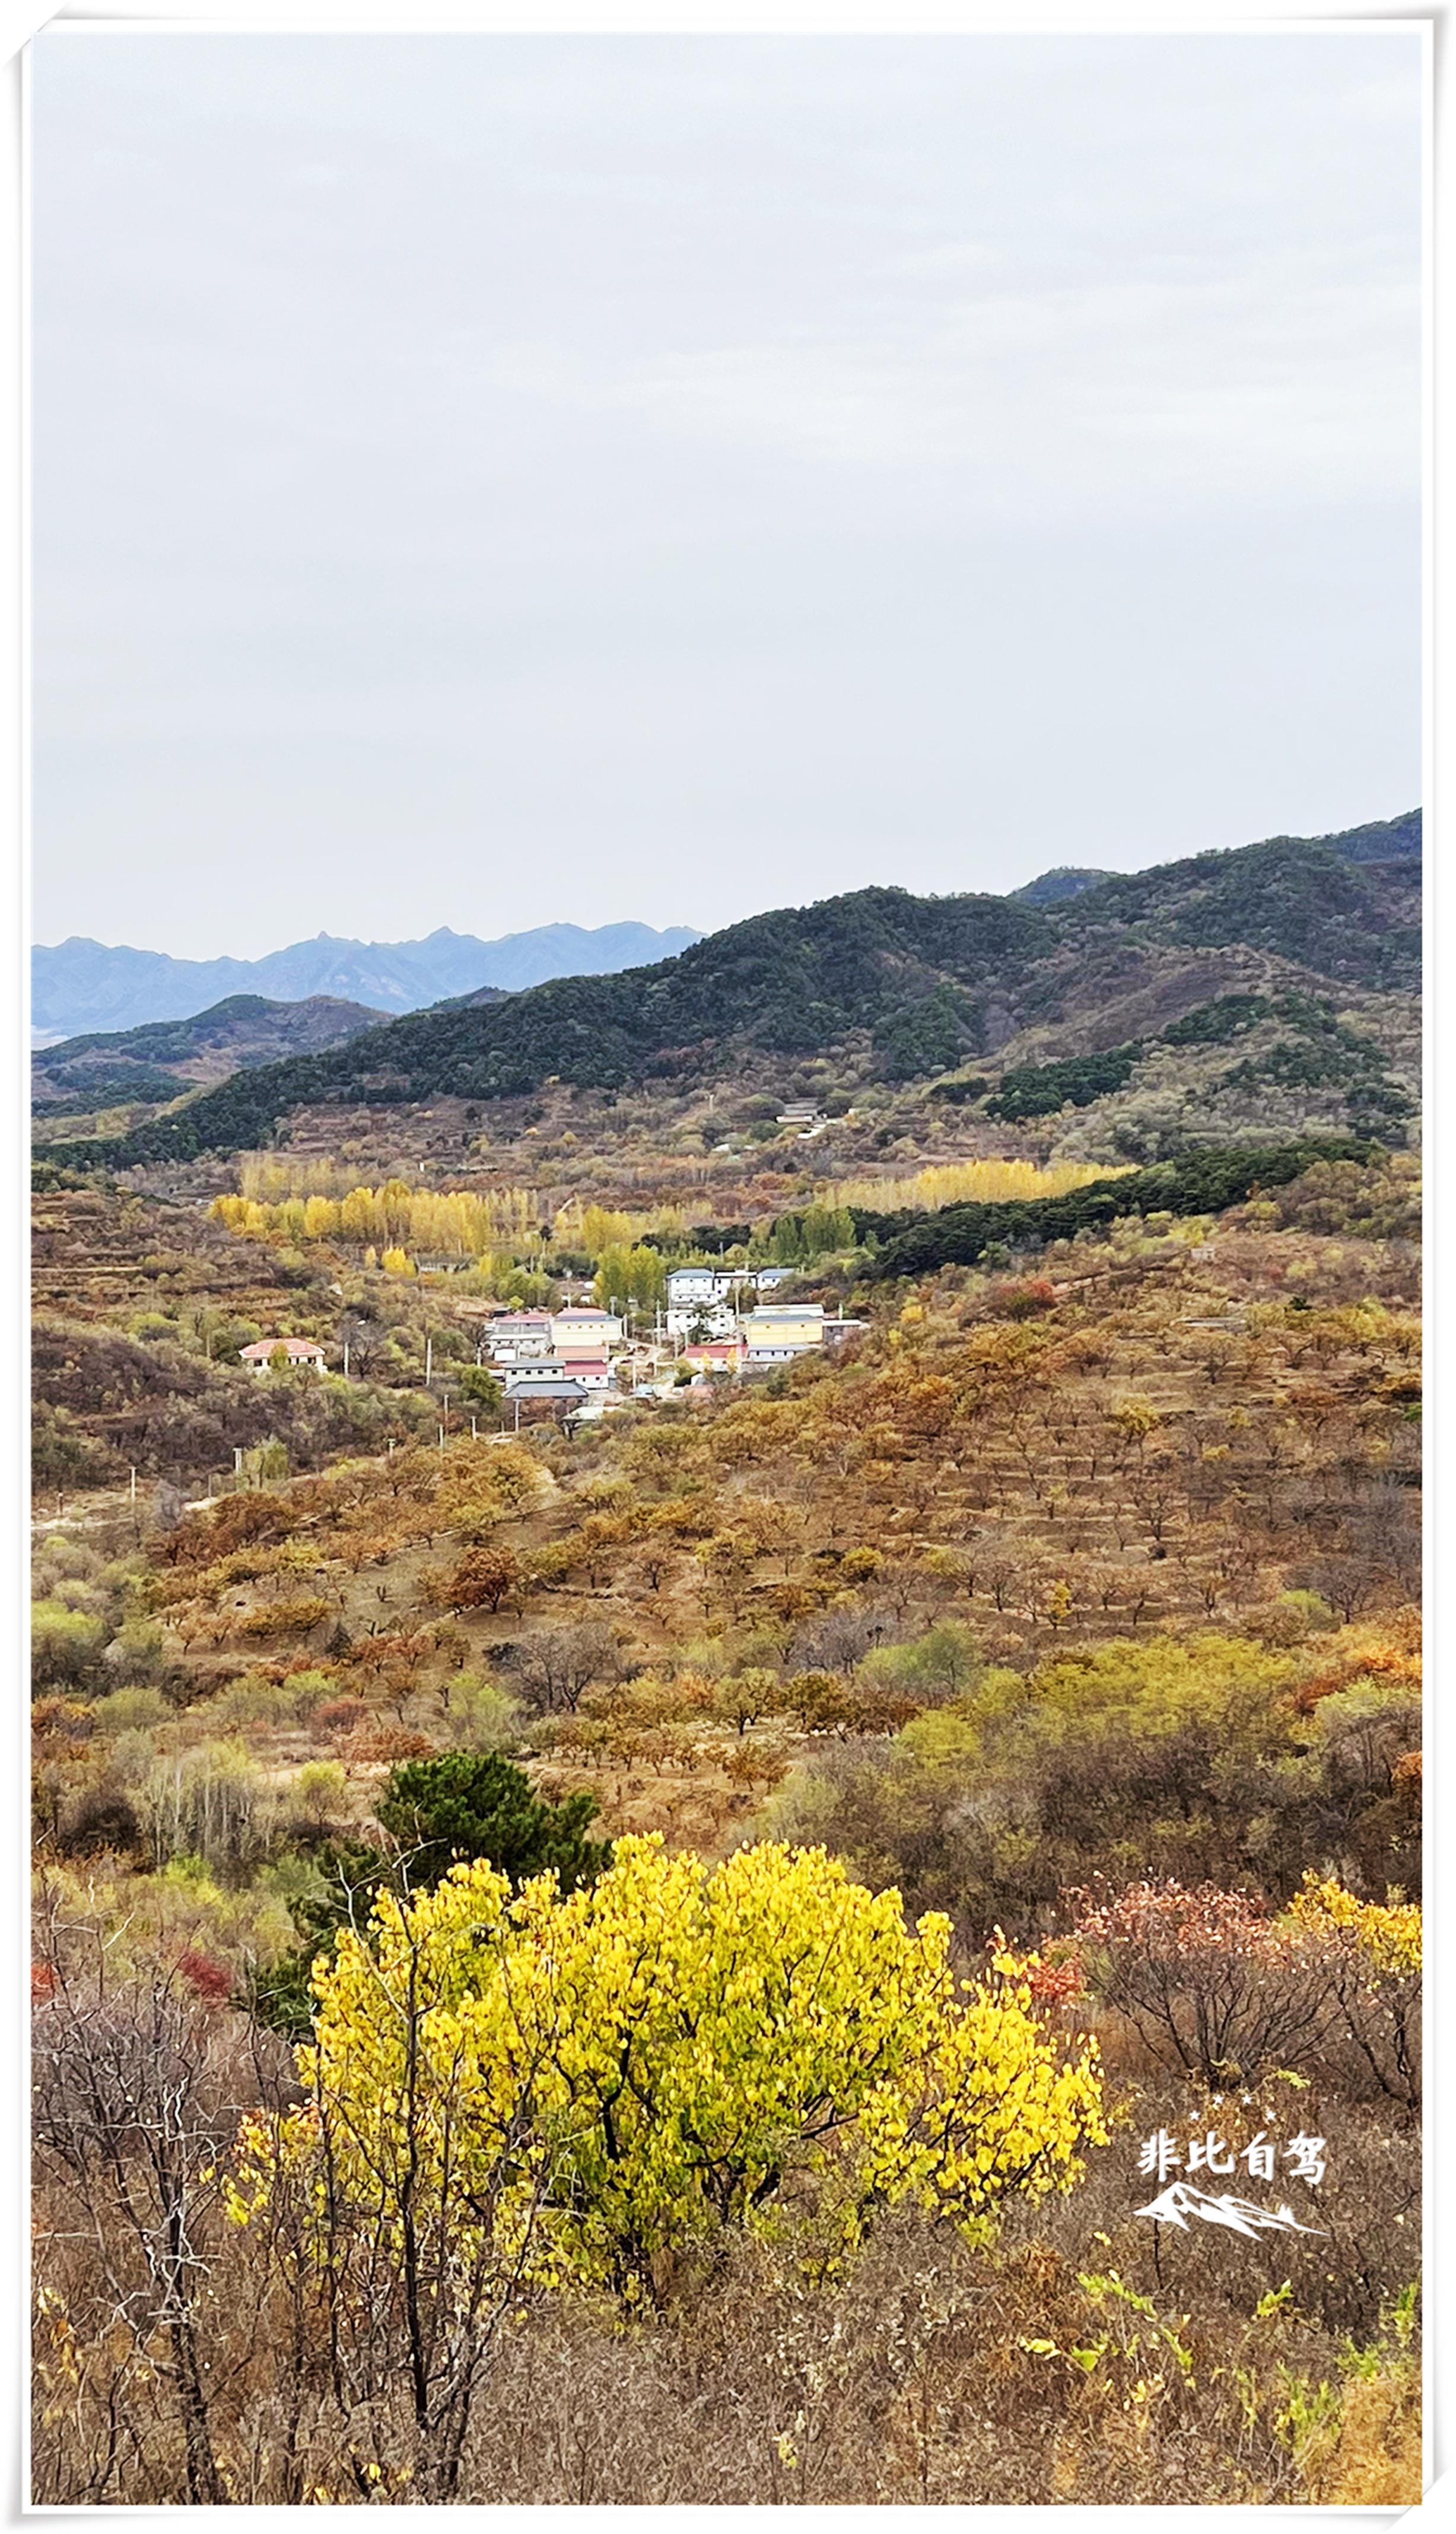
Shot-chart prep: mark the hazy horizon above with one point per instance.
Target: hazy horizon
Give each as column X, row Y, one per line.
column 324, row 932
column 487, row 481
column 685, row 924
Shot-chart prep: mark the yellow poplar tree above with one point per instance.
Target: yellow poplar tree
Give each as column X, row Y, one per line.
column 321, row 1219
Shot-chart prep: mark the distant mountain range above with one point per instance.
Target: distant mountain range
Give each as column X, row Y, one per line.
column 921, row 986
column 79, row 985
column 84, row 985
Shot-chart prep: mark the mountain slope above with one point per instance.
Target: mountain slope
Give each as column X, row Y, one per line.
column 1052, row 886
column 80, row 984
column 1384, row 840
column 164, row 1058
column 929, row 980
column 1357, row 921
column 785, row 983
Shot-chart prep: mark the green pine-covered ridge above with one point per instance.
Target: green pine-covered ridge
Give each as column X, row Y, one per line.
column 916, row 974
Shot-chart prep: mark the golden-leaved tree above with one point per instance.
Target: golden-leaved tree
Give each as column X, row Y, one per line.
column 601, row 2081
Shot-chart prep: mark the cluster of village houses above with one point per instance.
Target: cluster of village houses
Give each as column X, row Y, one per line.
column 718, row 1323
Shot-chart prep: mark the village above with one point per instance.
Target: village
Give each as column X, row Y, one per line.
column 580, row 1359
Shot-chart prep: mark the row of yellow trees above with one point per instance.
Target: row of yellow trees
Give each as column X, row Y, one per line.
column 462, row 1222
column 986, row 1182
column 451, row 1222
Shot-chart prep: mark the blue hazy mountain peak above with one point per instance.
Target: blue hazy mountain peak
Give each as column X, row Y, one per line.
column 79, row 984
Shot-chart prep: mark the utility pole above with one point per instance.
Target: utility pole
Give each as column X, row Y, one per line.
column 429, row 1360
column 134, row 1487
column 345, row 1359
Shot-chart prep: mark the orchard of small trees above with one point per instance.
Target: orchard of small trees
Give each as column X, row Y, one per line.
column 586, row 1969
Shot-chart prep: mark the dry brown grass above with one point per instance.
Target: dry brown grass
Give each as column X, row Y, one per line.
column 929, row 2373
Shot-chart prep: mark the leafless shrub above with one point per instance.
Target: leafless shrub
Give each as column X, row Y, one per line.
column 1211, row 1986
column 140, row 2082
column 557, row 1664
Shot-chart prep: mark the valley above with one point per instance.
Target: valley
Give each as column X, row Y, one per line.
column 1044, row 1606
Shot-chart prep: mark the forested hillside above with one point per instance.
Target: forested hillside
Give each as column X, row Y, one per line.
column 924, row 984
column 1355, row 919
column 163, row 1059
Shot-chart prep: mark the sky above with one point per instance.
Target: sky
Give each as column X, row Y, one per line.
column 499, row 481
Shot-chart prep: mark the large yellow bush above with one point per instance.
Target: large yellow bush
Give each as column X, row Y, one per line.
column 608, row 2078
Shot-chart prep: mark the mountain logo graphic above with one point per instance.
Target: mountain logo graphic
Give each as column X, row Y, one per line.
column 1181, row 2201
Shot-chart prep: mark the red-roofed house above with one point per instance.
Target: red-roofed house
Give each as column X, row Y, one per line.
column 259, row 1356
column 592, row 1370
column 716, row 1355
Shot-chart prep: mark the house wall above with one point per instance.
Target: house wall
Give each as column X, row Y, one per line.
column 681, row 1321
column 569, row 1336
column 783, row 1329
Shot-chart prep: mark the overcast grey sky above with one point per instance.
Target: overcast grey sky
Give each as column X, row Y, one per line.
column 484, row 480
